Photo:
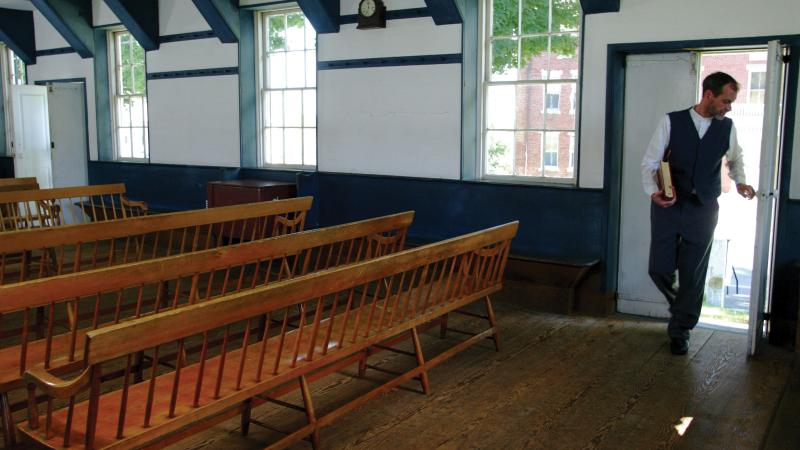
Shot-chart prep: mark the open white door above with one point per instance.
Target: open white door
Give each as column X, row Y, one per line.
column 769, row 170
column 66, row 102
column 31, row 139
column 646, row 102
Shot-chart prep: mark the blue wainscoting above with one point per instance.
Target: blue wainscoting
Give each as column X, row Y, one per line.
column 563, row 223
column 6, row 166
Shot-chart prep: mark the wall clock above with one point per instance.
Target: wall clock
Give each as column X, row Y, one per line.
column 371, row 14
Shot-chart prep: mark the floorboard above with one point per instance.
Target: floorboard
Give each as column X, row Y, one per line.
column 558, row 382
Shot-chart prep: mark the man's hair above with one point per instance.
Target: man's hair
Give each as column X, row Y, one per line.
column 717, row 80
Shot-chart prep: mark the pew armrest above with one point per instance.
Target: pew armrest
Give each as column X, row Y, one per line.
column 140, row 206
column 53, row 386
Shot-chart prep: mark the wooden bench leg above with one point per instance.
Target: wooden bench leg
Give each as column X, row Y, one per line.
column 493, row 323
column 9, row 434
column 362, row 363
column 310, row 414
column 443, row 326
column 423, row 376
column 247, row 408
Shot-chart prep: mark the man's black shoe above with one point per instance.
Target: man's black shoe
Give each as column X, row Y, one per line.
column 678, row 346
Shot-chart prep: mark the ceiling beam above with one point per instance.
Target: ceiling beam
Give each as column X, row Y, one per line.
column 444, row 12
column 599, row 6
column 140, row 17
column 16, row 30
column 73, row 21
column 323, row 14
column 222, row 16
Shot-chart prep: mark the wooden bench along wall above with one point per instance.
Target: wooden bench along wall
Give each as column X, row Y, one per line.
column 354, row 307
column 112, row 295
column 39, row 253
column 45, row 208
column 18, row 184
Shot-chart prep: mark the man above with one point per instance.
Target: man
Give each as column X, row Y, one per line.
column 682, row 228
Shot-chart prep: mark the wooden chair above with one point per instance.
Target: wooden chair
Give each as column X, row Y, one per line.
column 354, row 307
column 40, row 253
column 46, row 208
column 112, row 295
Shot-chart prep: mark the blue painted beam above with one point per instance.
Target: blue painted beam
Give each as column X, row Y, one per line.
column 444, row 12
column 16, row 30
column 222, row 16
column 73, row 21
column 140, row 17
column 323, row 14
column 599, row 6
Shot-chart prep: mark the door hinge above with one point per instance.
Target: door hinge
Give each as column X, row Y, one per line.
column 767, row 316
column 52, row 145
column 787, row 58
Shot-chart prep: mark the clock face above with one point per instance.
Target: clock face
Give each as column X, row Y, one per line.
column 367, row 8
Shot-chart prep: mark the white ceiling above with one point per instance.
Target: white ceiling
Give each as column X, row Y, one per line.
column 17, row 4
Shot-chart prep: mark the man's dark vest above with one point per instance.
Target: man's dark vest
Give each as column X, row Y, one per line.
column 696, row 162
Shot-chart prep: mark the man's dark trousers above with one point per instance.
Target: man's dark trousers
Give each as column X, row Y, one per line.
column 681, row 238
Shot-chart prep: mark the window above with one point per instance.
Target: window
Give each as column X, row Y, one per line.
column 758, row 84
column 530, row 62
column 129, row 98
column 16, row 68
column 287, row 84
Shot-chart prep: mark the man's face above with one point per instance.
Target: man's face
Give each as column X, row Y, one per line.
column 720, row 105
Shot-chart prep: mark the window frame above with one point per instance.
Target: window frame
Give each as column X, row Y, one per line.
column 482, row 86
column 7, row 57
column 111, row 39
column 262, row 67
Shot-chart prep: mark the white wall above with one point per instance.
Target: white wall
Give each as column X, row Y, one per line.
column 394, row 120
column 59, row 67
column 659, row 20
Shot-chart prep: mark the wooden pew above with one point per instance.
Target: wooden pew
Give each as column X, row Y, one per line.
column 45, row 208
column 18, row 184
column 111, row 295
column 355, row 307
column 39, row 253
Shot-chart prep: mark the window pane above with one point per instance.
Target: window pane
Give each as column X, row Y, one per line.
column 552, row 101
column 277, row 70
column 500, row 107
column 265, row 108
column 505, row 56
column 551, row 150
column 123, row 111
column 311, row 35
column 529, row 154
column 310, row 146
column 295, row 32
column 294, row 146
column 535, row 16
column 535, row 59
column 293, row 108
column 137, row 143
column 276, row 109
column 276, row 145
column 566, row 15
column 565, row 55
column 505, row 17
column 528, row 115
column 139, row 80
column 499, row 152
column 124, row 142
column 127, row 80
column 559, row 113
column 137, row 111
column 296, row 69
column 266, row 144
column 277, row 35
column 311, row 69
column 309, row 108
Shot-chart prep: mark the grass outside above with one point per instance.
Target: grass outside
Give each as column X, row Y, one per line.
column 724, row 314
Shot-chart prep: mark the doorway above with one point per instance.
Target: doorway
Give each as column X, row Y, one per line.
column 728, row 283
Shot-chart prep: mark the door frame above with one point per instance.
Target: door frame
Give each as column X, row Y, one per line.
column 614, row 132
column 85, row 106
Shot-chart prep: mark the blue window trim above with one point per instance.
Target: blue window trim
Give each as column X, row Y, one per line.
column 454, row 58
column 102, row 99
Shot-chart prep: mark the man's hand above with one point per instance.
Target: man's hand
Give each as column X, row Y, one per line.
column 745, row 190
column 659, row 199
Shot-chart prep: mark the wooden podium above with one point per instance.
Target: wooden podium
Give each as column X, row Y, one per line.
column 235, row 192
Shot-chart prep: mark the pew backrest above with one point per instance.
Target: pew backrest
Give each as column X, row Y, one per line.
column 41, row 253
column 354, row 307
column 18, row 184
column 101, row 297
column 46, row 208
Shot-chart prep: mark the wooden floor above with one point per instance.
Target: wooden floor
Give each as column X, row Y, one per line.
column 558, row 382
